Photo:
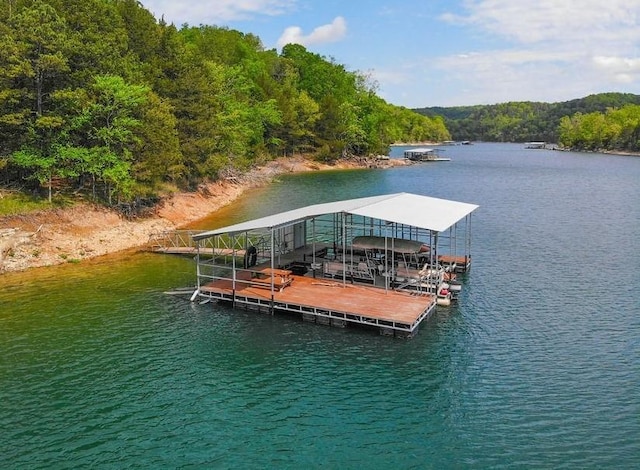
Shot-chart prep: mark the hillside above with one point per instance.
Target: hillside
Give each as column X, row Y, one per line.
column 522, row 121
column 100, row 98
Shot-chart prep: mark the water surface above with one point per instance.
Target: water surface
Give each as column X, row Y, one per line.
column 538, row 365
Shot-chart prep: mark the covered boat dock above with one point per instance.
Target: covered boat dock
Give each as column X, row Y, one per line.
column 382, row 261
column 424, row 155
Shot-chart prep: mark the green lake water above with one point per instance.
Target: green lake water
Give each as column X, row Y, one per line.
column 538, row 366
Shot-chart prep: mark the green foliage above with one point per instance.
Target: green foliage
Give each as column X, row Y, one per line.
column 522, row 121
column 106, row 129
column 98, row 97
column 615, row 129
column 156, row 155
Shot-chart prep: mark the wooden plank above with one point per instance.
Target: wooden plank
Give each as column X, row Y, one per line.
column 371, row 302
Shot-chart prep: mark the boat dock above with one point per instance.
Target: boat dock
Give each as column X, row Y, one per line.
column 535, row 145
column 385, row 261
column 328, row 302
column 424, row 155
column 457, row 264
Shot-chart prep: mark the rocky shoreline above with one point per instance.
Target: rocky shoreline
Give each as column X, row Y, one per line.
column 86, row 231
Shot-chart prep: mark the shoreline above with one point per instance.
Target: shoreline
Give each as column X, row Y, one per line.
column 86, row 231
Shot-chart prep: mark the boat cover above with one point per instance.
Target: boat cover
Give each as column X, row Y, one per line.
column 399, row 245
column 424, row 212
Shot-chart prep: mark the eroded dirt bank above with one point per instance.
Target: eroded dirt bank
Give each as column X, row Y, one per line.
column 86, row 231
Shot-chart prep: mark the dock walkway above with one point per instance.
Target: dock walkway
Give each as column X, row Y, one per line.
column 177, row 242
column 331, row 302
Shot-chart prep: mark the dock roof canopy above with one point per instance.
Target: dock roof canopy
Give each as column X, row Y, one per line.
column 402, row 208
column 419, row 150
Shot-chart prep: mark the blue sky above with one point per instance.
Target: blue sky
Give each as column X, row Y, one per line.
column 447, row 52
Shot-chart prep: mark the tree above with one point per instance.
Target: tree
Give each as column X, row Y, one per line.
column 627, row 122
column 523, row 121
column 615, row 129
column 14, row 109
column 156, row 153
column 106, row 130
column 40, row 40
column 98, row 90
column 98, row 42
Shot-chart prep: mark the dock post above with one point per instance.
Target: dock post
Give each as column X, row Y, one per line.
column 384, row 331
column 309, row 317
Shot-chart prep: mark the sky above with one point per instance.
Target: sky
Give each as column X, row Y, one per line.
column 422, row 53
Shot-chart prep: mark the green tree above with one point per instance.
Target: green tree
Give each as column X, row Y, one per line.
column 40, row 40
column 627, row 122
column 107, row 127
column 615, row 129
column 523, row 121
column 157, row 158
column 98, row 41
column 208, row 99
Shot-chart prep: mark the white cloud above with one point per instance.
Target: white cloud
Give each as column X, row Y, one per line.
column 391, row 76
column 553, row 49
column 332, row 32
column 621, row 69
column 486, row 77
column 586, row 21
column 617, row 63
column 215, row 11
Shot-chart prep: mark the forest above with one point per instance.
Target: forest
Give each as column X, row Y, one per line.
column 606, row 121
column 100, row 98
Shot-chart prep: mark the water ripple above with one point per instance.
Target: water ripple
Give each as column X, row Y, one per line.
column 537, row 366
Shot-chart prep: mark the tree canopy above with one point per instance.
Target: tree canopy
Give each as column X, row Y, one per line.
column 523, row 121
column 615, row 129
column 98, row 96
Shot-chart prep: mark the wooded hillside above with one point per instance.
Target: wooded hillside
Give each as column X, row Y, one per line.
column 525, row 121
column 99, row 97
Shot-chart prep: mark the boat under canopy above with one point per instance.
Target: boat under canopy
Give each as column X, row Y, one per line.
column 398, row 245
column 424, row 155
column 382, row 261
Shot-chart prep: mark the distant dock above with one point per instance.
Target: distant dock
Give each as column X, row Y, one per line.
column 424, row 154
column 535, row 145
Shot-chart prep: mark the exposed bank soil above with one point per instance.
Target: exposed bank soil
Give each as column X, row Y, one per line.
column 86, row 231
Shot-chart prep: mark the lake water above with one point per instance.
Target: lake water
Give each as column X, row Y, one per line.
column 538, row 365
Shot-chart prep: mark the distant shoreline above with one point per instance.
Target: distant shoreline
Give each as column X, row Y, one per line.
column 406, row 144
column 627, row 153
column 621, row 153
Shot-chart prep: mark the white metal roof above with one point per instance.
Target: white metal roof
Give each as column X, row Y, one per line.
column 403, row 208
column 420, row 150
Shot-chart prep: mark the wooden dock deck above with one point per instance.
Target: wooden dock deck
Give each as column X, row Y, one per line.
column 330, row 302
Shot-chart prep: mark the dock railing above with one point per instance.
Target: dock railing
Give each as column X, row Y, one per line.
column 174, row 241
